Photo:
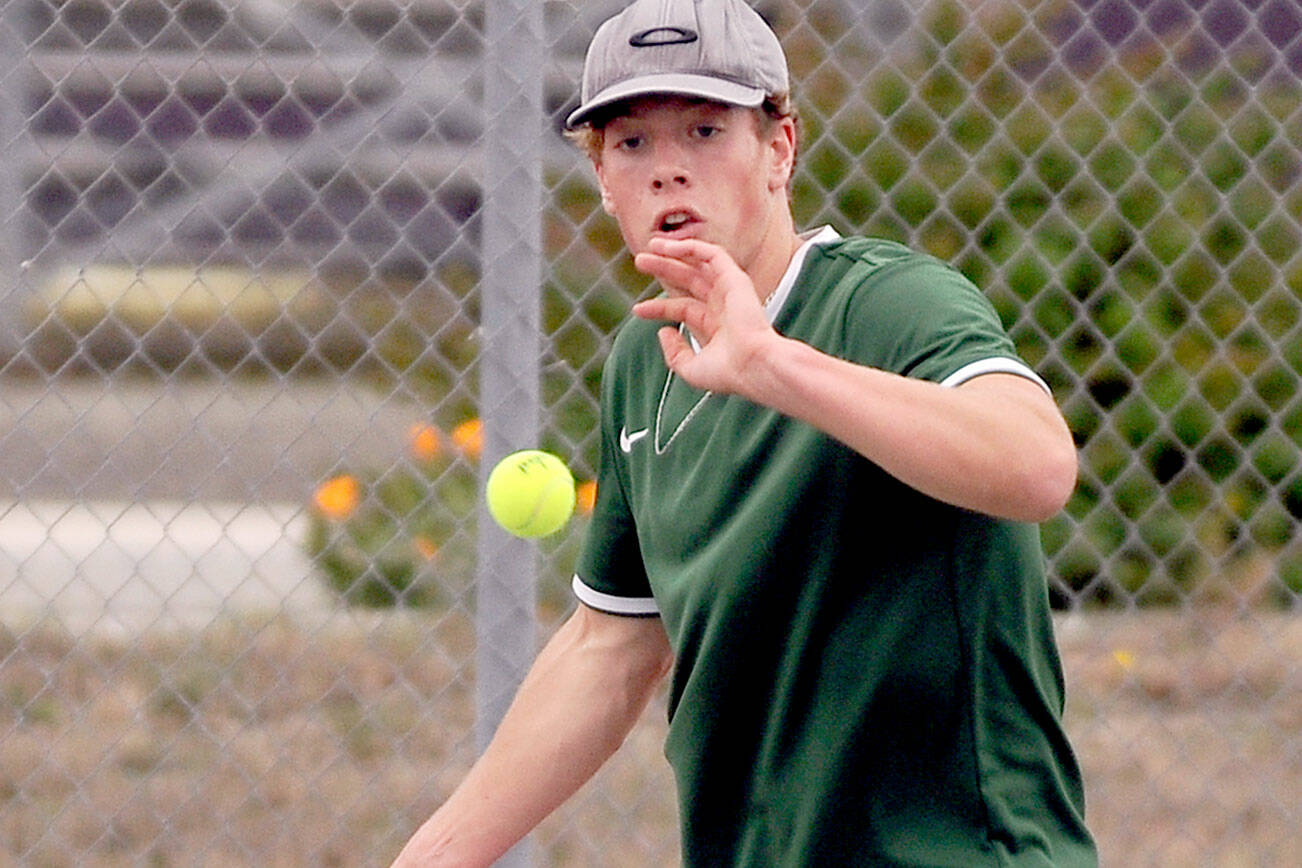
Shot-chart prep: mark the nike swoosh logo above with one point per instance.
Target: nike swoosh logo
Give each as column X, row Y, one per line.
column 626, row 440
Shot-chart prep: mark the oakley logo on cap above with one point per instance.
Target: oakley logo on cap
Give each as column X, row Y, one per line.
column 657, row 36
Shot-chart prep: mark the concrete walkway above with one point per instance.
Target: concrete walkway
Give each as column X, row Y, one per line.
column 122, row 568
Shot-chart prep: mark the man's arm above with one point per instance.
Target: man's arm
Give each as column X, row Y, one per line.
column 997, row 444
column 577, row 704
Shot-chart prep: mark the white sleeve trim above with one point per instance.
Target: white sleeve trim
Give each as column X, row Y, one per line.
column 972, row 370
column 612, row 604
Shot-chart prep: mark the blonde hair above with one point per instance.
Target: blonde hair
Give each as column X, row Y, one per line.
column 590, row 136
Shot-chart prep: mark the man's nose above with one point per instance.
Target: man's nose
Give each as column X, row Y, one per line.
column 669, row 179
column 669, row 169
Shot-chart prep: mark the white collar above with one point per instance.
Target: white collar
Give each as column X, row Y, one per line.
column 822, row 235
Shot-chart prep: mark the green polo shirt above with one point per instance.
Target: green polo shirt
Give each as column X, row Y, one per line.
column 864, row 675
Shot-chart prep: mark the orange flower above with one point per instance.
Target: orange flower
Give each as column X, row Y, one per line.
column 425, row 440
column 337, row 497
column 585, row 496
column 469, row 438
column 425, row 547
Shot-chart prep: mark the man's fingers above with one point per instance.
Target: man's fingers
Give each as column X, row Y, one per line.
column 663, row 307
column 687, row 249
column 675, row 348
column 673, row 273
column 688, row 311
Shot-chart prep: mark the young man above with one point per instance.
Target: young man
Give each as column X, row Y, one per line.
column 821, row 458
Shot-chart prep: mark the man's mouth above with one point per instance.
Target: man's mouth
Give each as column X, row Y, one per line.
column 672, row 221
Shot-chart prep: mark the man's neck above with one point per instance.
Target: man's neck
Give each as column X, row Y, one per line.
column 773, row 261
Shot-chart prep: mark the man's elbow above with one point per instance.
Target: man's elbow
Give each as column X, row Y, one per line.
column 1047, row 484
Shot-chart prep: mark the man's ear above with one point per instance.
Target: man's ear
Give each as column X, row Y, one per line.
column 782, row 152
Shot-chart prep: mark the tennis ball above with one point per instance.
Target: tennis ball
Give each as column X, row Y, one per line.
column 531, row 493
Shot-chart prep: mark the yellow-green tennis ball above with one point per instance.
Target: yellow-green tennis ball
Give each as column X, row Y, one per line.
column 531, row 493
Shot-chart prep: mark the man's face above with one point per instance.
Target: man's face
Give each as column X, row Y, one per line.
column 680, row 168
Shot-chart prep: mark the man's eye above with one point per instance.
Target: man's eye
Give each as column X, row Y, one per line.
column 705, row 131
column 630, row 143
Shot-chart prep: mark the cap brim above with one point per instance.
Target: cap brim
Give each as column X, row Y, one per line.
column 669, row 84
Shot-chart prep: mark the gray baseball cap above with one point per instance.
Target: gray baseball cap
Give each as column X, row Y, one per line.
column 716, row 49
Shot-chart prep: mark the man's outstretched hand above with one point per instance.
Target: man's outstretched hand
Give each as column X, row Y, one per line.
column 710, row 295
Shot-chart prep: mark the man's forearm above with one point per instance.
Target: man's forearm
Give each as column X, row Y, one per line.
column 996, row 445
column 575, row 707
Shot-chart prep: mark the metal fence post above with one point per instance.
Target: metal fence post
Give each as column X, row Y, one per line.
column 510, row 323
column 12, row 134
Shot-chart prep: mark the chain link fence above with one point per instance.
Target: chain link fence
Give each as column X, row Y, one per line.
column 282, row 276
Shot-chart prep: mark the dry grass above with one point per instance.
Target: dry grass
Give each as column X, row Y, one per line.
column 279, row 744
column 1189, row 729
column 244, row 745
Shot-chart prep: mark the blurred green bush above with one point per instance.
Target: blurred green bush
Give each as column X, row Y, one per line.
column 398, row 537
